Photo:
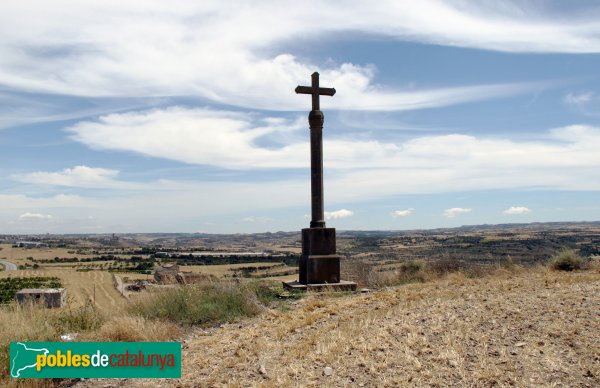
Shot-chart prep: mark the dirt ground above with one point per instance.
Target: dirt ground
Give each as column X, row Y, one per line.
column 534, row 328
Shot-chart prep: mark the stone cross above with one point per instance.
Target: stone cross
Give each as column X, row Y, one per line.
column 315, row 90
column 319, row 265
column 315, row 120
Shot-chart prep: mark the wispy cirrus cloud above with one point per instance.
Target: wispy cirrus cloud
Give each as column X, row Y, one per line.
column 586, row 103
column 566, row 159
column 85, row 177
column 579, row 98
column 78, row 176
column 105, row 49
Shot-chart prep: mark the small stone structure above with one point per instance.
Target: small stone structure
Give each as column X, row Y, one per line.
column 52, row 297
column 173, row 275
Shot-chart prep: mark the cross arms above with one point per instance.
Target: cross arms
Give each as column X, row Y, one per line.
column 315, row 91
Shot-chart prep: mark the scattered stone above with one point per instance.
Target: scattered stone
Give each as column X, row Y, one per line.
column 285, row 295
column 327, row 371
column 520, row 344
column 262, row 370
column 69, row 337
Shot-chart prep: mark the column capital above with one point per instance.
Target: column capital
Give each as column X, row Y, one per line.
column 316, row 118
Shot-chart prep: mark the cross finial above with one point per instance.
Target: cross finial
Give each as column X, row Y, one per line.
column 315, row 91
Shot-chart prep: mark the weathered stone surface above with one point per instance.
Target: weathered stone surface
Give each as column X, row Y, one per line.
column 319, row 263
column 341, row 286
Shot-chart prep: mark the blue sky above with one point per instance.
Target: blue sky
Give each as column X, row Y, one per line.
column 137, row 116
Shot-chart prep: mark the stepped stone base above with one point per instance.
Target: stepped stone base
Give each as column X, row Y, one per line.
column 341, row 286
column 319, row 263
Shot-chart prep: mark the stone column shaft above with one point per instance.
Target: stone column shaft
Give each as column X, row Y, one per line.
column 315, row 120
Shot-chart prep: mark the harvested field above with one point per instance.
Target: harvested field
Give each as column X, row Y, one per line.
column 227, row 269
column 533, row 328
column 80, row 286
column 20, row 255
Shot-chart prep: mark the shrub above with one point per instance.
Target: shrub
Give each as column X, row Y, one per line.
column 370, row 275
column 566, row 260
column 412, row 267
column 265, row 292
column 206, row 303
column 444, row 266
column 82, row 319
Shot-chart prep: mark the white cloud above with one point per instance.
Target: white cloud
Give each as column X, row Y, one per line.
column 132, row 48
column 586, row 103
column 566, row 158
column 186, row 205
column 24, row 108
column 93, row 177
column 401, row 213
column 78, row 176
column 516, row 210
column 260, row 219
column 578, row 98
column 202, row 136
column 19, row 201
column 34, row 217
column 342, row 213
column 456, row 211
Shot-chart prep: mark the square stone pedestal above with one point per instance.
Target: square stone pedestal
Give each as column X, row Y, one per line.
column 319, row 266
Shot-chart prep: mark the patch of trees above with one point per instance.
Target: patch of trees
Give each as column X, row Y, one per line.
column 589, row 250
column 90, row 259
column 10, row 286
column 290, row 259
column 256, row 268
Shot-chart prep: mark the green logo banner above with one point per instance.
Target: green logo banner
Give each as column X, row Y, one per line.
column 95, row 359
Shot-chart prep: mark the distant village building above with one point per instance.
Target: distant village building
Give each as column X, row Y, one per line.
column 51, row 297
column 30, row 244
column 173, row 275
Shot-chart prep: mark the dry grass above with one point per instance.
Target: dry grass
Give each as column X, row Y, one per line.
column 567, row 260
column 527, row 328
column 221, row 270
column 210, row 302
column 128, row 328
column 501, row 327
column 20, row 255
column 82, row 287
column 374, row 275
column 32, row 322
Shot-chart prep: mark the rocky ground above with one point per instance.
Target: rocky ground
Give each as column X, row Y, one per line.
column 530, row 328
